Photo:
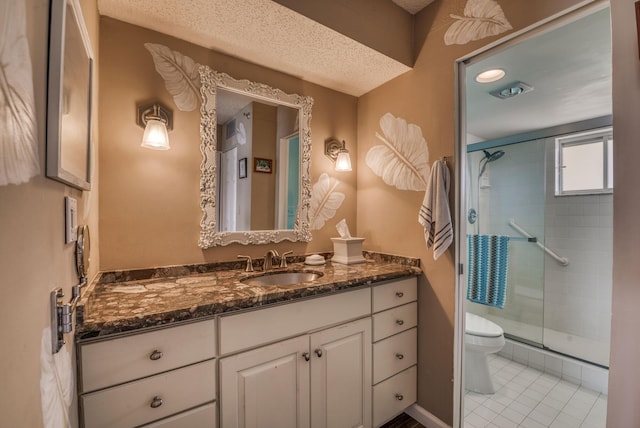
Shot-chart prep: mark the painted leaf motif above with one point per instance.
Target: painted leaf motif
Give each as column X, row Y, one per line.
column 403, row 160
column 482, row 18
column 180, row 74
column 325, row 201
column 19, row 159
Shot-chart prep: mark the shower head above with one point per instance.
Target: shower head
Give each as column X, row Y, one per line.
column 493, row 156
column 489, row 157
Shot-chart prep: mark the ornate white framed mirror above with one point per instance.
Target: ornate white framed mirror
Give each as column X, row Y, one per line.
column 255, row 184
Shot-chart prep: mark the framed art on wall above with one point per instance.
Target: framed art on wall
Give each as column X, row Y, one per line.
column 242, row 168
column 263, row 165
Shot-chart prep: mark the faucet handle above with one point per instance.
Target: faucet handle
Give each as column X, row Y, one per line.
column 249, row 266
column 283, row 259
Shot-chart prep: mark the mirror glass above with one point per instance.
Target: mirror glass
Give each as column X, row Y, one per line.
column 256, row 144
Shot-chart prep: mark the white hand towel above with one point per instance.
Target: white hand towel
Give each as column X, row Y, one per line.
column 435, row 215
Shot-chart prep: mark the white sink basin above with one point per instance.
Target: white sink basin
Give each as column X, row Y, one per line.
column 282, row 278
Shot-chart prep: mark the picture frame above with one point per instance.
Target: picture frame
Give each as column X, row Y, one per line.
column 70, row 83
column 242, row 168
column 263, row 165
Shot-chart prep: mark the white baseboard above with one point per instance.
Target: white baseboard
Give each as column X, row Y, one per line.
column 424, row 417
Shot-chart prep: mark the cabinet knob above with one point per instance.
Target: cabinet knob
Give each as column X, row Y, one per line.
column 399, row 356
column 155, row 355
column 399, row 322
column 156, row 402
column 399, row 294
column 306, row 356
column 318, row 352
column 399, row 397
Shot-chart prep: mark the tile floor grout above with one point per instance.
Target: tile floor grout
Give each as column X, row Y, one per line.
column 528, row 398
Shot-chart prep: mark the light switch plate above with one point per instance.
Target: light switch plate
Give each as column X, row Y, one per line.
column 70, row 220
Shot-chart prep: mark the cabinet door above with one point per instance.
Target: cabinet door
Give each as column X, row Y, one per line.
column 341, row 376
column 267, row 387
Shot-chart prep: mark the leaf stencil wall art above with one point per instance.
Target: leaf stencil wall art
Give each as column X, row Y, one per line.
column 180, row 74
column 482, row 18
column 19, row 159
column 403, row 158
column 325, row 201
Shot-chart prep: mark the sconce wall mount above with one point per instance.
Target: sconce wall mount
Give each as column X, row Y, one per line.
column 338, row 153
column 156, row 120
column 154, row 111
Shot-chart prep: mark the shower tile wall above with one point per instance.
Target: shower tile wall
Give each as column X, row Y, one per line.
column 577, row 297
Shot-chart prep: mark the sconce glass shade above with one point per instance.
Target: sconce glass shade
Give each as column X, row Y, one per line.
column 155, row 135
column 343, row 161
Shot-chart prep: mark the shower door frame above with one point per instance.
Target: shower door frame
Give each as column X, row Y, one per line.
column 550, row 23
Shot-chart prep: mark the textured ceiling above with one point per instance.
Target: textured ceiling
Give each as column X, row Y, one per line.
column 569, row 69
column 266, row 33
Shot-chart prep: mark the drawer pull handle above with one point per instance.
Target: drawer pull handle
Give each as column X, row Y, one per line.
column 318, row 352
column 400, row 294
column 399, row 356
column 155, row 355
column 156, row 402
column 399, row 322
column 399, row 397
column 306, row 356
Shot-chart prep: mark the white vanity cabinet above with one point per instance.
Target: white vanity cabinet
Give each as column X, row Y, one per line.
column 395, row 317
column 144, row 378
column 321, row 379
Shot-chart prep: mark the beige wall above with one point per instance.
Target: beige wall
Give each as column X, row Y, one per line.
column 624, row 375
column 149, row 200
column 33, row 256
column 387, row 217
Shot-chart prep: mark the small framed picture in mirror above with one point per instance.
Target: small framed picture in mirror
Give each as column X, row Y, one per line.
column 263, row 165
column 242, row 168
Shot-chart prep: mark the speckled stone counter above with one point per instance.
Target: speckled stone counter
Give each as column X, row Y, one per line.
column 123, row 301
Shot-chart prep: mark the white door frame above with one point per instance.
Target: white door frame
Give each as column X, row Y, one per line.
column 552, row 22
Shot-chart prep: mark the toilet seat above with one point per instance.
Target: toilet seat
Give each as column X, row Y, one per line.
column 478, row 326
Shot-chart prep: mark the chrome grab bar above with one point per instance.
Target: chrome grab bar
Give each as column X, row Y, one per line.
column 562, row 260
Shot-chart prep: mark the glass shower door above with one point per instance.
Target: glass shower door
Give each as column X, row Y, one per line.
column 506, row 197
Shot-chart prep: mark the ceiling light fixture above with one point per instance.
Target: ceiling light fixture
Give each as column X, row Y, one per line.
column 512, row 90
column 491, row 75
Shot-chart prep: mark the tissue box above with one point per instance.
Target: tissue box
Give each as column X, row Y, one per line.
column 347, row 251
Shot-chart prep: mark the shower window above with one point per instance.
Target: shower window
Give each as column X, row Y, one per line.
column 584, row 163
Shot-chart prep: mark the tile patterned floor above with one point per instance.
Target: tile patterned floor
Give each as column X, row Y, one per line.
column 528, row 398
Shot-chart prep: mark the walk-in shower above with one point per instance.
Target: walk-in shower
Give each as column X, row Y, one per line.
column 559, row 275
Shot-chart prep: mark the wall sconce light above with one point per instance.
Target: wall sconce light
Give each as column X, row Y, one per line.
column 156, row 120
column 337, row 152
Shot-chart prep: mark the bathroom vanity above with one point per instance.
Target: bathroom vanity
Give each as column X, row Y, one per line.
column 157, row 349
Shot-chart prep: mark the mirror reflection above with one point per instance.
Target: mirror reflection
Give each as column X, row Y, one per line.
column 258, row 165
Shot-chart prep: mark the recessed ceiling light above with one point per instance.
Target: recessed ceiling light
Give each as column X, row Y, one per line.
column 491, row 75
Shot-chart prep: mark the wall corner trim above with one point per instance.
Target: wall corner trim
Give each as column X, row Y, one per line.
column 425, row 417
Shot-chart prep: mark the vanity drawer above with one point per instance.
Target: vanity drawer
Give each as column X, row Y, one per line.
column 251, row 329
column 116, row 361
column 200, row 417
column 394, row 395
column 394, row 354
column 394, row 321
column 130, row 404
column 394, row 293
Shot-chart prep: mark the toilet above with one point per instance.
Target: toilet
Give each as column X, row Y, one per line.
column 481, row 338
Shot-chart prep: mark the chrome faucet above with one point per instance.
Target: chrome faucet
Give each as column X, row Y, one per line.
column 268, row 259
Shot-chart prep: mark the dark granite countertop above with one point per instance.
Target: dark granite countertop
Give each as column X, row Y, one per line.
column 129, row 300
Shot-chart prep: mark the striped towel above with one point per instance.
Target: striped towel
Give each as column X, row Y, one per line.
column 435, row 215
column 488, row 267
